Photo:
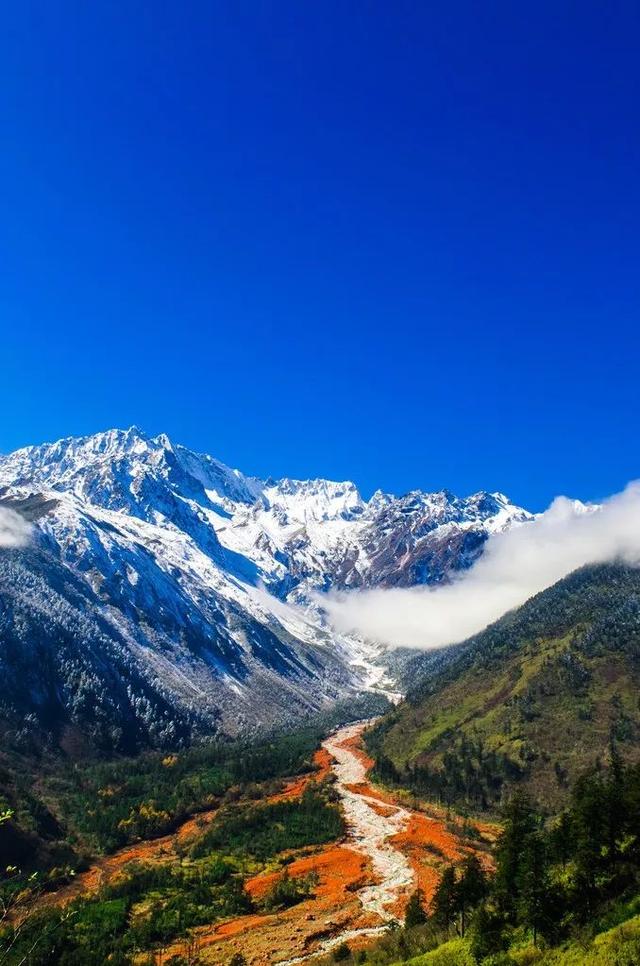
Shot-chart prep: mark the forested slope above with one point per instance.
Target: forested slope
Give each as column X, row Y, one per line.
column 533, row 700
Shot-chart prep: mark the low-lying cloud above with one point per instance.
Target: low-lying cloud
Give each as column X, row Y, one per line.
column 514, row 566
column 15, row 531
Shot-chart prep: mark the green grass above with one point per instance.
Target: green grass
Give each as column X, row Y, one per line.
column 619, row 946
column 453, row 953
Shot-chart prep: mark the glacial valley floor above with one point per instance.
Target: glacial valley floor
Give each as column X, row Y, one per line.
column 391, row 848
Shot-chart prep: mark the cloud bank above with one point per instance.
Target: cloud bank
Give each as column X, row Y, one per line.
column 514, row 566
column 15, row 531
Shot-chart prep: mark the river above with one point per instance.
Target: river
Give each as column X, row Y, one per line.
column 370, row 828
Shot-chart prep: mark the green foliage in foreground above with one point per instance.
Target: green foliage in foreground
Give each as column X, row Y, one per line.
column 563, row 894
column 148, row 905
column 619, row 946
column 554, row 883
column 151, row 905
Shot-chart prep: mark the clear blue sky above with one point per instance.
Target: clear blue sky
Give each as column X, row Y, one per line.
column 393, row 242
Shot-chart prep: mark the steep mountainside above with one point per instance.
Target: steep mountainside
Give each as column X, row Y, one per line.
column 164, row 594
column 535, row 698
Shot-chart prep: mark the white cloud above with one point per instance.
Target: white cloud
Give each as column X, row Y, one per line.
column 15, row 531
column 515, row 566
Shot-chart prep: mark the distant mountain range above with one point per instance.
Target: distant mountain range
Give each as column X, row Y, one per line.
column 164, row 595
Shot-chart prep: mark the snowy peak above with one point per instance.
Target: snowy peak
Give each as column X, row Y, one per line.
column 197, row 585
column 292, row 535
column 128, row 471
column 120, row 469
column 314, row 501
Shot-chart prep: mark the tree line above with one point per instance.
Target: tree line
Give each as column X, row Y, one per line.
column 551, row 879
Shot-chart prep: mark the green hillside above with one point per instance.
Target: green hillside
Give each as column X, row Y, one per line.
column 535, row 699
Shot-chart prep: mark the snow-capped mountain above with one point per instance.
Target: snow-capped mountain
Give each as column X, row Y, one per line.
column 164, row 594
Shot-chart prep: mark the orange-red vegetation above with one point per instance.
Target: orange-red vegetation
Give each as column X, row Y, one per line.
column 354, row 745
column 377, row 807
column 338, row 867
column 295, row 787
column 429, row 841
column 106, row 869
column 334, row 907
column 322, row 762
column 429, row 844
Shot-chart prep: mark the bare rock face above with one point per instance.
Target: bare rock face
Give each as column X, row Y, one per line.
column 163, row 595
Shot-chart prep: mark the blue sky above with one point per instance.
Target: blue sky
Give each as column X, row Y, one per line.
column 396, row 243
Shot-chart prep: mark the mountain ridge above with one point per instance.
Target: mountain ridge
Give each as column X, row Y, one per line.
column 120, row 443
column 207, row 579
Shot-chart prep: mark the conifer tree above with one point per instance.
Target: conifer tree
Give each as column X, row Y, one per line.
column 519, row 826
column 415, row 913
column 533, row 890
column 471, row 888
column 487, row 934
column 445, row 900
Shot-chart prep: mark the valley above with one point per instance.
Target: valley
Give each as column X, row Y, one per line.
column 363, row 882
column 196, row 768
column 360, row 882
column 345, row 841
column 319, row 485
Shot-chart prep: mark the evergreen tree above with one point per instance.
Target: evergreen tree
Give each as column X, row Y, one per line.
column 561, row 842
column 471, row 888
column 342, row 952
column 519, row 825
column 487, row 934
column 415, row 914
column 615, row 803
column 591, row 836
column 533, row 890
column 445, row 900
